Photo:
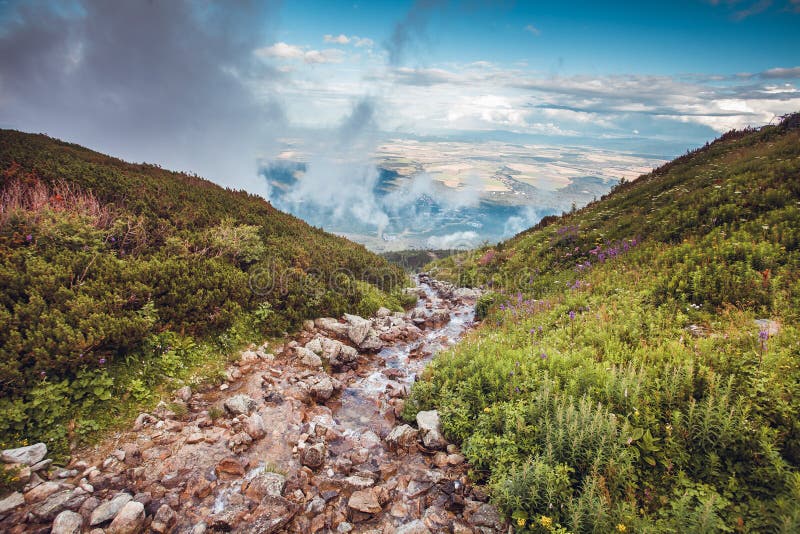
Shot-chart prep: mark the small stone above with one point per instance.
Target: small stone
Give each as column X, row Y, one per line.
column 364, row 501
column 240, row 405
column 195, row 437
column 255, row 427
column 308, row 357
column 314, row 456
column 455, row 459
column 230, row 466
column 414, row 527
column 402, row 437
column 67, row 522
column 164, row 519
column 29, row 455
column 184, row 393
column 129, row 520
column 264, row 484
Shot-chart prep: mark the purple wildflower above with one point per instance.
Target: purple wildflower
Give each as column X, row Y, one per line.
column 29, row 238
column 113, row 239
column 42, row 374
column 763, row 335
column 572, row 315
column 101, row 361
column 543, row 356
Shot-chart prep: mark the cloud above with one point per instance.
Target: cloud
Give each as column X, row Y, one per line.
column 410, row 29
column 166, row 82
column 783, row 73
column 456, row 240
column 363, row 42
column 533, row 30
column 282, row 50
column 337, row 39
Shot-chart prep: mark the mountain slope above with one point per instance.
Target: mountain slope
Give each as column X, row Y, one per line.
column 116, row 274
column 638, row 365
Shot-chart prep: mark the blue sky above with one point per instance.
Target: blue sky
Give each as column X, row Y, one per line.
column 223, row 88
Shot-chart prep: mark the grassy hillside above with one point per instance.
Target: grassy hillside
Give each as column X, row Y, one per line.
column 639, row 365
column 117, row 275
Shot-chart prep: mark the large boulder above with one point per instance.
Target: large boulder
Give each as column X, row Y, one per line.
column 129, row 520
column 372, row 342
column 240, row 405
column 322, row 387
column 358, row 328
column 30, row 455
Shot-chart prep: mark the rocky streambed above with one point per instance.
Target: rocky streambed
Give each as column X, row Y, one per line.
column 304, row 439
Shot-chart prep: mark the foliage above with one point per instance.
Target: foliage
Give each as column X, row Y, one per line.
column 620, row 380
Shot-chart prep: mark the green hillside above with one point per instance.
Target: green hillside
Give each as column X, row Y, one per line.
column 638, row 368
column 117, row 276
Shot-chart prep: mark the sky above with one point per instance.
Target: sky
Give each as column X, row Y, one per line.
column 224, row 88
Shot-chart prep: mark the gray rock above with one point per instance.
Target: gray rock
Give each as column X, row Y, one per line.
column 29, row 455
column 414, row 527
column 372, row 342
column 308, row 357
column 11, row 502
column 486, row 516
column 129, row 520
column 67, row 522
column 432, row 439
column 44, row 464
column 184, row 393
column 383, row 312
column 358, row 328
column 429, row 420
column 332, row 325
column 42, row 491
column 255, row 427
column 264, row 484
column 240, row 405
column 322, row 388
column 68, row 499
column 109, row 509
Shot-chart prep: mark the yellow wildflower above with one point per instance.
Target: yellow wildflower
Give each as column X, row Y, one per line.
column 621, row 527
column 487, row 409
column 547, row 522
column 521, row 522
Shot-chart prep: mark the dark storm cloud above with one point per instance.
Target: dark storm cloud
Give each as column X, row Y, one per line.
column 163, row 81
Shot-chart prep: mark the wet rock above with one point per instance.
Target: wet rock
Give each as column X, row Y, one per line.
column 228, row 518
column 365, row 501
column 229, row 466
column 372, row 342
column 129, row 520
column 439, row 317
column 271, row 516
column 430, row 429
column 314, row 456
column 11, row 502
column 322, row 388
column 255, row 427
column 109, row 509
column 263, row 485
column 308, row 357
column 164, row 519
column 402, row 437
column 29, row 455
column 358, row 328
column 198, row 487
column 67, row 522
column 240, row 405
column 414, row 527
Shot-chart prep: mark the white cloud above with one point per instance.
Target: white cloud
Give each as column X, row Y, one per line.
column 533, row 30
column 456, row 240
column 291, row 52
column 337, row 39
column 363, row 42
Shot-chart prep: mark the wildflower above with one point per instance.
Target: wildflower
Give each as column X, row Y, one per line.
column 547, row 522
column 42, row 374
column 521, row 522
column 487, row 410
column 543, row 356
column 113, row 239
column 621, row 527
column 101, row 361
column 572, row 315
column 517, row 389
column 763, row 335
column 29, row 238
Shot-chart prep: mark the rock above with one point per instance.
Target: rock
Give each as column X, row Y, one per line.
column 371, row 342
column 486, row 516
column 271, row 516
column 129, row 520
column 29, row 455
column 455, row 459
column 344, row 526
column 42, row 491
column 67, row 522
column 164, row 519
column 414, row 527
column 229, row 466
column 142, row 421
column 240, row 405
column 44, row 464
column 249, row 356
column 365, row 501
column 68, row 499
column 254, row 426
column 264, row 484
column 440, row 316
column 15, row 500
column 322, row 388
column 466, row 293
column 314, row 456
column 308, row 357
column 383, row 312
column 358, row 328
column 184, row 393
column 332, row 325
column 109, row 509
column 195, row 437
column 356, row 482
column 429, row 420
column 402, row 437
column 434, row 440
column 308, row 325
